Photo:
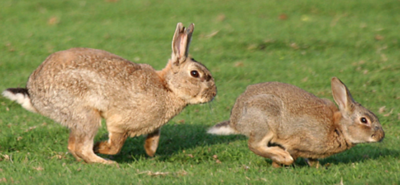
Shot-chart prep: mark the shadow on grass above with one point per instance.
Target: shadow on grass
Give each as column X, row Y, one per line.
column 357, row 154
column 362, row 153
column 174, row 139
column 178, row 137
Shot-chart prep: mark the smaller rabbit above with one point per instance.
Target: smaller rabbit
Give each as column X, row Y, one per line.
column 80, row 86
column 284, row 122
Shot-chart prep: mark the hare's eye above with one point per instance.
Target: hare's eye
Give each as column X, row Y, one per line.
column 194, row 73
column 364, row 120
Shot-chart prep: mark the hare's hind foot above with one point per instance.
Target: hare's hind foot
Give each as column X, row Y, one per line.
column 275, row 153
column 113, row 145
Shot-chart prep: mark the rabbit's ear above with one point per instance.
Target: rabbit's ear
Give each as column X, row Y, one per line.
column 341, row 95
column 180, row 43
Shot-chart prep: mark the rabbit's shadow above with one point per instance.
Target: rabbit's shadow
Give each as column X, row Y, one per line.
column 362, row 152
column 175, row 138
column 357, row 154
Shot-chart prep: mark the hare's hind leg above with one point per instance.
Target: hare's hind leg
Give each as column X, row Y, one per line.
column 151, row 142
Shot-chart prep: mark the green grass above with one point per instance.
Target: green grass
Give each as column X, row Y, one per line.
column 242, row 43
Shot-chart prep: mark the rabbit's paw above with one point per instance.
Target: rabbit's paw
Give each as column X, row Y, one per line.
column 282, row 157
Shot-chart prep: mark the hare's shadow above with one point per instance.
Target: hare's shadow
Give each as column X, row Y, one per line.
column 174, row 139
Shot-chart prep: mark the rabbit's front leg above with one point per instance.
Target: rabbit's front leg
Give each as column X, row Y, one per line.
column 151, row 143
column 312, row 162
column 113, row 145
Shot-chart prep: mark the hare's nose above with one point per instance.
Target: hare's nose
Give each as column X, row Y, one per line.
column 377, row 128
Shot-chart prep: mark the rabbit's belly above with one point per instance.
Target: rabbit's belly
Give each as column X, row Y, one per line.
column 140, row 120
column 145, row 126
column 318, row 148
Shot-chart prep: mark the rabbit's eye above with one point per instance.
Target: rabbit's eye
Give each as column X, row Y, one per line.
column 194, row 73
column 364, row 120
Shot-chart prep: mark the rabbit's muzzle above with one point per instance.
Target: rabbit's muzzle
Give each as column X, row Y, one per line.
column 209, row 94
column 378, row 135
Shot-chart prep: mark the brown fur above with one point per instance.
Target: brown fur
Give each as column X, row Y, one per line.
column 80, row 86
column 151, row 142
column 284, row 122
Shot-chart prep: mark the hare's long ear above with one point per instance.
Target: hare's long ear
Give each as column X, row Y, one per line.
column 342, row 95
column 180, row 43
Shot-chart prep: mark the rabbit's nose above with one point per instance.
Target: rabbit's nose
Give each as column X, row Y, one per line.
column 379, row 134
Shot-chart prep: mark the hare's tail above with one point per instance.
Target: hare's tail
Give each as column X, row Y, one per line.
column 21, row 96
column 223, row 128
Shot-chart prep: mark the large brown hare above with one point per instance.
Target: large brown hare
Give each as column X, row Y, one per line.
column 80, row 86
column 284, row 122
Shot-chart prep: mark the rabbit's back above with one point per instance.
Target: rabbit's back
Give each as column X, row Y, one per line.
column 80, row 77
column 84, row 62
column 290, row 102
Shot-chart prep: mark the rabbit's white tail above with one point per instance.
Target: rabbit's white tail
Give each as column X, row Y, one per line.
column 21, row 96
column 223, row 128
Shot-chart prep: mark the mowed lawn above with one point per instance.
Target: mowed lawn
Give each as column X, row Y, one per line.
column 303, row 42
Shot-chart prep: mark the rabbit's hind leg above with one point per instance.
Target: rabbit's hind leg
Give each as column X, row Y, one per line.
column 82, row 135
column 151, row 142
column 84, row 149
column 275, row 153
column 71, row 146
